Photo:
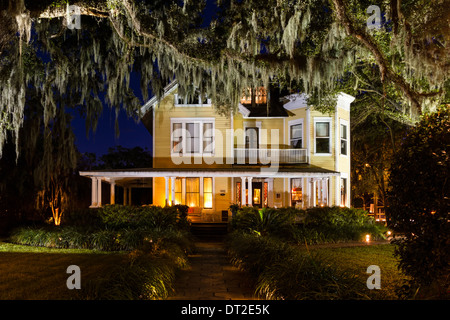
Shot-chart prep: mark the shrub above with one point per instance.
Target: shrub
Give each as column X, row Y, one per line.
column 332, row 224
column 266, row 221
column 419, row 202
column 281, row 271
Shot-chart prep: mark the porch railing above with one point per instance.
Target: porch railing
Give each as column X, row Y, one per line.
column 267, row 156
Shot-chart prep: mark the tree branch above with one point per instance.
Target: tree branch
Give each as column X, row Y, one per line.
column 386, row 71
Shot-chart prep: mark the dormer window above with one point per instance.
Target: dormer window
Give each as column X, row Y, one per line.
column 197, row 100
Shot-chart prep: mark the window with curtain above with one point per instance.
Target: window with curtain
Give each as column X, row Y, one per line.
column 296, row 192
column 343, row 192
column 296, row 136
column 178, row 191
column 207, row 193
column 193, row 192
column 177, row 138
column 322, row 137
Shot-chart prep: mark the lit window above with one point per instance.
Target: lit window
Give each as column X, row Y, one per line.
column 193, row 192
column 178, row 191
column 343, row 192
column 296, row 192
column 322, row 137
column 343, row 139
column 207, row 193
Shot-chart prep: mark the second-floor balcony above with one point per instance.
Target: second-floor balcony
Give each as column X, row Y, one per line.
column 266, row 156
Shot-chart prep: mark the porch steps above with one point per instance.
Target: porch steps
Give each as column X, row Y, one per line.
column 209, row 231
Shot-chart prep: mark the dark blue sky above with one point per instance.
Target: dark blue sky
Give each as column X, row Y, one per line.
column 132, row 134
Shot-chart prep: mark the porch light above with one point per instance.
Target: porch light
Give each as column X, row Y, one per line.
column 367, row 237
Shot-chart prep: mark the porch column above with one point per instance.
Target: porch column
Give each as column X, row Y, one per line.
column 94, row 193
column 243, row 187
column 250, row 192
column 313, row 193
column 99, row 192
column 166, row 179
column 129, row 196
column 172, row 189
column 270, row 192
column 113, row 192
column 325, row 191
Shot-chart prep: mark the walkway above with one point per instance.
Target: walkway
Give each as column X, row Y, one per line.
column 212, row 277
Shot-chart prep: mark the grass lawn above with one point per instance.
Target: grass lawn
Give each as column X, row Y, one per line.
column 35, row 273
column 357, row 259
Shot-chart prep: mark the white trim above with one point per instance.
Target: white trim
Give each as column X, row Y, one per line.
column 323, row 119
column 199, row 121
column 188, row 173
column 293, row 123
column 154, row 100
column 347, row 129
column 193, row 105
column 296, row 101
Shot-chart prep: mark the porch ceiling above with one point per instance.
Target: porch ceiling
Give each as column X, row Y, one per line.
column 232, row 172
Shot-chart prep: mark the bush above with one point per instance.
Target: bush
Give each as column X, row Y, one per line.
column 283, row 272
column 333, row 224
column 419, row 202
column 265, row 221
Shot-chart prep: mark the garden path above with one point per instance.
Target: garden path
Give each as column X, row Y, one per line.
column 212, row 277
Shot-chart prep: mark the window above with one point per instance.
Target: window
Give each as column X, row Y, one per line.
column 238, row 193
column 296, row 192
column 177, row 138
column 178, row 191
column 343, row 192
column 193, row 192
column 192, row 136
column 296, row 136
column 343, row 139
column 208, row 138
column 207, row 193
column 193, row 100
column 322, row 136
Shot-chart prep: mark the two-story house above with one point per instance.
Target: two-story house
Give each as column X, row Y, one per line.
column 259, row 156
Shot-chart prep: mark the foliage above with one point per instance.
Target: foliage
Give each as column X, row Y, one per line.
column 121, row 158
column 419, row 201
column 314, row 225
column 264, row 221
column 242, row 44
column 334, row 224
column 283, row 272
column 113, row 228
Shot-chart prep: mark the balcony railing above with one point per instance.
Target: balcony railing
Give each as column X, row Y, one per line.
column 267, row 156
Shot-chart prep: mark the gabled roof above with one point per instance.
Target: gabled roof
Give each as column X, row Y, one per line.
column 154, row 100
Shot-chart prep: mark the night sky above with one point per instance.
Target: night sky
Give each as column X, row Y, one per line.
column 132, row 134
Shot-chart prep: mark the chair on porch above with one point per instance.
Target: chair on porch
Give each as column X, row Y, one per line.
column 195, row 214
